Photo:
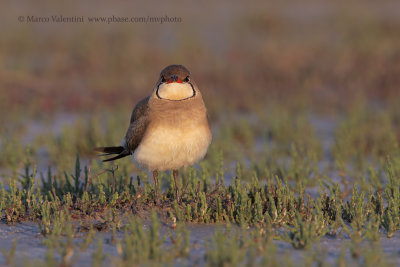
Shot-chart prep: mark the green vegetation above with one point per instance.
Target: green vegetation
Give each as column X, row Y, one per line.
column 59, row 201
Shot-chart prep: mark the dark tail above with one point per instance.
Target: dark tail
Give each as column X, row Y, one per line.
column 113, row 150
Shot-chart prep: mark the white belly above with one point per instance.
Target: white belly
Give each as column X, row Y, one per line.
column 169, row 148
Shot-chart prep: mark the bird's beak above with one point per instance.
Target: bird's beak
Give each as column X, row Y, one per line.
column 174, row 79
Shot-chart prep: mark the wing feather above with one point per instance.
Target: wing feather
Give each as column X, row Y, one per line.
column 138, row 124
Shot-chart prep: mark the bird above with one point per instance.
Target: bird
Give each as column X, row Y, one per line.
column 168, row 129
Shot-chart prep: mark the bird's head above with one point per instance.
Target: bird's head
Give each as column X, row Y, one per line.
column 175, row 83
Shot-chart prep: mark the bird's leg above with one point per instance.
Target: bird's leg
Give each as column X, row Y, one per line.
column 155, row 176
column 175, row 173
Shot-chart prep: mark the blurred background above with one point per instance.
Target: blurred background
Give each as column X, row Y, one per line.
column 322, row 55
column 285, row 72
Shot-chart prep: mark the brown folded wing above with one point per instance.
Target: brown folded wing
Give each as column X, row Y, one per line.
column 138, row 125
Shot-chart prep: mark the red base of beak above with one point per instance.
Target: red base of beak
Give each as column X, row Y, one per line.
column 177, row 81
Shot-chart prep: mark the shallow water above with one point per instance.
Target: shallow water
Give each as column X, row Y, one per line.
column 30, row 247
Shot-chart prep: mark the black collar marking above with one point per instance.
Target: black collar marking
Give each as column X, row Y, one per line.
column 194, row 94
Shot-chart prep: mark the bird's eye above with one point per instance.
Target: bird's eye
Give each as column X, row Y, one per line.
column 186, row 79
column 163, row 79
